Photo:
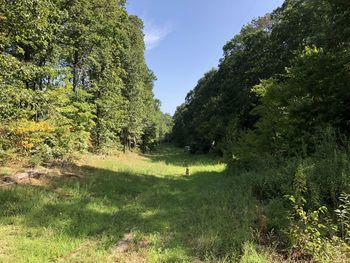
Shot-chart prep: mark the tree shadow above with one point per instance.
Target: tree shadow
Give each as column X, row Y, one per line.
column 180, row 157
column 191, row 213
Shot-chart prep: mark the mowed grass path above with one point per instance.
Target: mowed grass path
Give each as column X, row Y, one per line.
column 204, row 217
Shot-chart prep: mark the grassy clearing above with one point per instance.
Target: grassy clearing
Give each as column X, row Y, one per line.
column 205, row 217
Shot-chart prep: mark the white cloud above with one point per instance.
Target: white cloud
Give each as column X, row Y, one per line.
column 154, row 34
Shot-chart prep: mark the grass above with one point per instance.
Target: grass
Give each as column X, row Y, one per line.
column 204, row 217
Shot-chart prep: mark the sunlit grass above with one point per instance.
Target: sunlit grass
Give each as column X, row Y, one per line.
column 204, row 217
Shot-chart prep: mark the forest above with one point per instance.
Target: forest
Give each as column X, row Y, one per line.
column 277, row 110
column 74, row 78
column 266, row 177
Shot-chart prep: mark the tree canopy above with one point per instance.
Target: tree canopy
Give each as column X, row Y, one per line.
column 73, row 77
column 281, row 81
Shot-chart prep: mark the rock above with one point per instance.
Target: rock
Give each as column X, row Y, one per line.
column 22, row 176
column 8, row 179
column 28, row 175
column 37, row 175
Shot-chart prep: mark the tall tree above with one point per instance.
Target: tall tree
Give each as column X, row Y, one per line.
column 73, row 76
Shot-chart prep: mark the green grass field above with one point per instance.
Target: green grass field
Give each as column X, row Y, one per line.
column 204, row 217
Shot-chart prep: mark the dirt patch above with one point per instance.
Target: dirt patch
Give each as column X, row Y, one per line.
column 126, row 243
column 129, row 243
column 130, row 250
column 27, row 177
column 133, row 257
column 39, row 176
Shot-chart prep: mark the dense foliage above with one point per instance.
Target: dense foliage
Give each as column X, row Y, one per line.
column 73, row 77
column 279, row 104
column 283, row 78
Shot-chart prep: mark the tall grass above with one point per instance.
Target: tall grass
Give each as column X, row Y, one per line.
column 316, row 183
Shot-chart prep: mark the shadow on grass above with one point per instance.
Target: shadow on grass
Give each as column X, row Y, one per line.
column 197, row 214
column 169, row 154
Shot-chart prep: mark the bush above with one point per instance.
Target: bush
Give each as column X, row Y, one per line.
column 343, row 216
column 315, row 184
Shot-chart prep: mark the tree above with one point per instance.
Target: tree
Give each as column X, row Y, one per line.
column 74, row 74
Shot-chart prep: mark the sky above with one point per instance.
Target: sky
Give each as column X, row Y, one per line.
column 184, row 39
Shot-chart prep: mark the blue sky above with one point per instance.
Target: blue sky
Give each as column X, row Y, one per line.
column 184, row 39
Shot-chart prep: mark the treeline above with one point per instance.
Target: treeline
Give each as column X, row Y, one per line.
column 280, row 81
column 73, row 77
column 278, row 105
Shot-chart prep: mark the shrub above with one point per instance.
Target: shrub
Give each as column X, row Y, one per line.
column 343, row 216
